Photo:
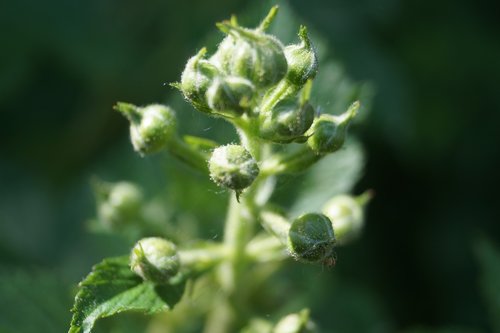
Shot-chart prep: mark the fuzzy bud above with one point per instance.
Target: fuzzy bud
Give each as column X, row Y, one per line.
column 118, row 203
column 233, row 167
column 346, row 214
column 287, row 121
column 151, row 127
column 155, row 259
column 302, row 60
column 196, row 79
column 230, row 95
column 327, row 133
column 311, row 238
column 251, row 54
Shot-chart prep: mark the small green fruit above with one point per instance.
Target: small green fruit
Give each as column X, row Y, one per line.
column 311, row 238
column 151, row 127
column 233, row 167
column 327, row 133
column 155, row 259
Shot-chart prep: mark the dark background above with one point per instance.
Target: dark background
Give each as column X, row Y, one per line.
column 431, row 140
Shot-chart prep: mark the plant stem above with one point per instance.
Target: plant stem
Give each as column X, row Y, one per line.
column 188, row 154
column 202, row 259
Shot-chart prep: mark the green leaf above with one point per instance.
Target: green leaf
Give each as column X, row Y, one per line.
column 40, row 295
column 489, row 263
column 334, row 174
column 112, row 288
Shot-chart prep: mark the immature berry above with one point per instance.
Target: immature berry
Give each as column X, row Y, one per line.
column 327, row 133
column 233, row 167
column 302, row 60
column 287, row 121
column 230, row 95
column 251, row 54
column 118, row 204
column 311, row 238
column 155, row 259
column 151, row 127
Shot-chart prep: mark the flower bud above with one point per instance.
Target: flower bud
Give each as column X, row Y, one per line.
column 302, row 60
column 251, row 54
column 287, row 121
column 311, row 238
column 346, row 214
column 118, row 204
column 196, row 79
column 327, row 133
column 230, row 95
column 233, row 167
column 155, row 259
column 151, row 127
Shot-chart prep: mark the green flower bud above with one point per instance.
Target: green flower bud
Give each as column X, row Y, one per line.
column 151, row 127
column 296, row 323
column 287, row 122
column 302, row 60
column 230, row 95
column 327, row 133
column 233, row 167
column 118, row 204
column 251, row 54
column 346, row 214
column 155, row 259
column 196, row 79
column 311, row 238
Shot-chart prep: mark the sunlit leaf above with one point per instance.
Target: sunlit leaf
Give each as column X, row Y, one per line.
column 112, row 288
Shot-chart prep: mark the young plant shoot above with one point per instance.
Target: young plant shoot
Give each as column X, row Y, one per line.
column 263, row 89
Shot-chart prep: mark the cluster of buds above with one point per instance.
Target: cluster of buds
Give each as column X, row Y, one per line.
column 263, row 88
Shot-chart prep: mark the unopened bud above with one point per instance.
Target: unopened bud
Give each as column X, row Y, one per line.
column 346, row 214
column 251, row 54
column 155, row 259
column 196, row 79
column 230, row 95
column 311, row 238
column 302, row 60
column 118, row 204
column 328, row 133
column 151, row 127
column 233, row 167
column 287, row 121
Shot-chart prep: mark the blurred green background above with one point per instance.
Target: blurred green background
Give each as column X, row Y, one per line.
column 429, row 257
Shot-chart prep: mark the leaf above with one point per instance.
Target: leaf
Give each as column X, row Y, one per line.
column 40, row 295
column 112, row 288
column 334, row 174
column 489, row 263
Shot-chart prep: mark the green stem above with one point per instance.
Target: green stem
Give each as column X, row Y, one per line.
column 276, row 225
column 266, row 249
column 199, row 260
column 292, row 162
column 188, row 154
column 283, row 90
